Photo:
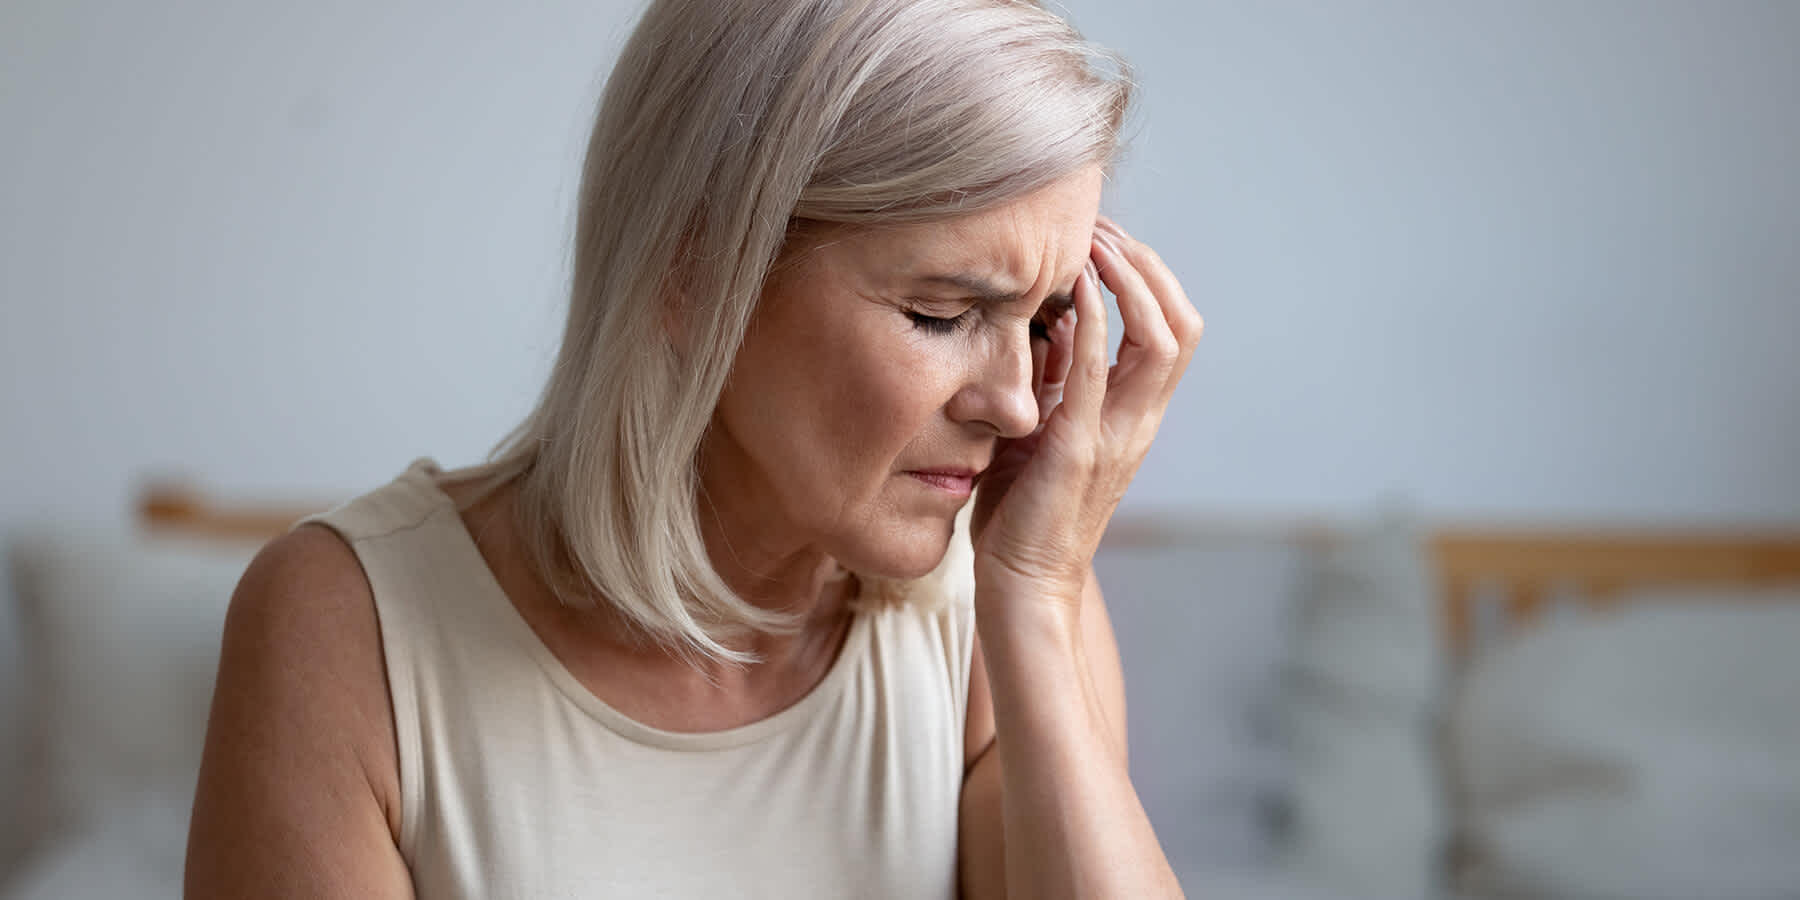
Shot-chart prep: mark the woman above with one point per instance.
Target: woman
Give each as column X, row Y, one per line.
column 720, row 617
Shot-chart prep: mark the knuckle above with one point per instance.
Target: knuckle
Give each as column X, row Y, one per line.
column 1161, row 360
column 1165, row 346
column 1077, row 455
column 1189, row 326
column 1094, row 369
column 1085, row 454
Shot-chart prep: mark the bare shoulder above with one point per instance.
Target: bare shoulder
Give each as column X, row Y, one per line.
column 302, row 623
column 307, row 582
column 299, row 782
column 311, row 555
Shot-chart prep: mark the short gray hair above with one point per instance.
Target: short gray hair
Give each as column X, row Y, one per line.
column 724, row 123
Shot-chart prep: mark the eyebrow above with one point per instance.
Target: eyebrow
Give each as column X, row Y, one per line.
column 987, row 293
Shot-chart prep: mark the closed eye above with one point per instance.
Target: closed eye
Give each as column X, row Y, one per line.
column 1039, row 324
column 937, row 324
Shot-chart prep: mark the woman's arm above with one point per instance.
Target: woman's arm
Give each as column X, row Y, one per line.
column 1071, row 824
column 299, row 785
column 983, row 849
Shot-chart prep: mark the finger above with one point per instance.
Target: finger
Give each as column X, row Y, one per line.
column 1056, row 365
column 1185, row 322
column 1040, row 364
column 1041, row 351
column 1148, row 350
column 1062, row 337
column 1085, row 390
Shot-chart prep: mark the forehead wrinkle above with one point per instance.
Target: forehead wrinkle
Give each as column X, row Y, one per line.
column 972, row 284
column 1000, row 256
column 1060, row 227
column 971, row 287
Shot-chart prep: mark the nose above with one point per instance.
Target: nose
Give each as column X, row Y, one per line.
column 1000, row 392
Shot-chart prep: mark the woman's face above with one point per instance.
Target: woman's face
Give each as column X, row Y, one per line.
column 881, row 369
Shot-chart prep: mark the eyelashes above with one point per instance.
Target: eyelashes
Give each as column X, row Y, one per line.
column 1040, row 326
column 937, row 325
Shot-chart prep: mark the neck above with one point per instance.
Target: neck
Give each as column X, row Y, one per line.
column 809, row 585
column 773, row 571
column 766, row 560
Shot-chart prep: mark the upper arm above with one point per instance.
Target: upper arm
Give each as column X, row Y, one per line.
column 980, row 855
column 299, row 786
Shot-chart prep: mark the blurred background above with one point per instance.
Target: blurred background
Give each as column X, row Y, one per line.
column 1533, row 265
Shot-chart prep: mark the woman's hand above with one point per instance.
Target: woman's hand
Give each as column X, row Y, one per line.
column 1045, row 501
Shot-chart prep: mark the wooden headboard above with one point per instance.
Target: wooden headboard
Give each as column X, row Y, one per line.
column 1495, row 580
column 182, row 509
column 1509, row 574
column 1518, row 571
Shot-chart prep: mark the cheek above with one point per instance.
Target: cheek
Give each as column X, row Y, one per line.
column 835, row 405
column 828, row 416
column 891, row 398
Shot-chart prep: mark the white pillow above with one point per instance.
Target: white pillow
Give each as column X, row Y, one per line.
column 1202, row 627
column 138, row 852
column 1268, row 883
column 1366, row 809
column 120, row 639
column 1652, row 754
column 13, row 836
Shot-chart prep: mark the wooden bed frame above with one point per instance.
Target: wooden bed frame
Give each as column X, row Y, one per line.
column 185, row 510
column 1520, row 571
column 1509, row 574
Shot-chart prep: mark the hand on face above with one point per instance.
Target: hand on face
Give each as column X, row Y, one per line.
column 1043, row 504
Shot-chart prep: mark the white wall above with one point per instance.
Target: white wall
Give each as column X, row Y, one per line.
column 1536, row 260
column 1528, row 259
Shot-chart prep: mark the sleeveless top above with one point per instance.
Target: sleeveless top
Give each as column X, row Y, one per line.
column 518, row 782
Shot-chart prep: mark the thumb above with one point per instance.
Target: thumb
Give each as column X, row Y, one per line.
column 997, row 480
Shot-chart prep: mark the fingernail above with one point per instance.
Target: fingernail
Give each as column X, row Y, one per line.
column 1109, row 242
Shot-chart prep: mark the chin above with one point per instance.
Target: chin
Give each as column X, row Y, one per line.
column 907, row 550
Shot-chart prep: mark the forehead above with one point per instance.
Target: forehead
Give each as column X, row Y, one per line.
column 1030, row 246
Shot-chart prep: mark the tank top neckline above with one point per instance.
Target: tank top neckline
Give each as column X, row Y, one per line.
column 423, row 475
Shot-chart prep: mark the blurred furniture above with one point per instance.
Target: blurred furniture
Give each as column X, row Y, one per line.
column 118, row 645
column 1465, row 711
column 1334, row 709
column 183, row 509
column 1627, row 715
column 1505, row 580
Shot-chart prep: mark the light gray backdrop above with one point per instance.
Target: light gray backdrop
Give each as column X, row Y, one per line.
column 1533, row 259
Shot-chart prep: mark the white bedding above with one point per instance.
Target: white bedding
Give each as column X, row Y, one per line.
column 1648, row 755
column 1258, row 884
column 136, row 853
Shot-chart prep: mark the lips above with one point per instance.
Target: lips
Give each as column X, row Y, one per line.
column 956, row 481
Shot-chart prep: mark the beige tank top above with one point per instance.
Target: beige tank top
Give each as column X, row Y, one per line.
column 518, row 782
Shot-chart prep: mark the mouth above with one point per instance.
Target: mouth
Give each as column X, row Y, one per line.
column 958, row 482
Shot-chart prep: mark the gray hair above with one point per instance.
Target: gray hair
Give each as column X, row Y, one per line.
column 724, row 123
